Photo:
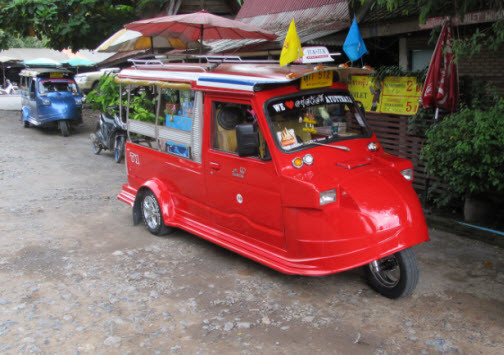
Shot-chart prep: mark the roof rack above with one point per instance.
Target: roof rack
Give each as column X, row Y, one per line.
column 162, row 63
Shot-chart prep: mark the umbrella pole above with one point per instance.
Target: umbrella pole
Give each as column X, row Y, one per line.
column 3, row 71
column 201, row 40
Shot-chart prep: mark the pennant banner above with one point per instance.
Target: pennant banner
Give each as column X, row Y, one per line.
column 354, row 46
column 291, row 49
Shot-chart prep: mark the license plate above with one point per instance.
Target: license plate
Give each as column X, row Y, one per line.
column 56, row 75
column 317, row 80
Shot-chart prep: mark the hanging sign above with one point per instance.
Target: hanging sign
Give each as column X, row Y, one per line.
column 395, row 95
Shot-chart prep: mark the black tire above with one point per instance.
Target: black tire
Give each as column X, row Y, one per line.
column 64, row 128
column 397, row 275
column 151, row 214
column 26, row 124
column 119, row 149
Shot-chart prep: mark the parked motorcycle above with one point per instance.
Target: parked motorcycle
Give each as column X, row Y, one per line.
column 110, row 135
column 10, row 89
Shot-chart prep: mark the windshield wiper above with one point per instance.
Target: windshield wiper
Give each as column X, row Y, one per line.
column 340, row 147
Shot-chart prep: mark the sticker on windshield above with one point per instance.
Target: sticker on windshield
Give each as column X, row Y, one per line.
column 311, row 100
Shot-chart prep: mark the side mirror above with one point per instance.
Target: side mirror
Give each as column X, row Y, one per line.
column 247, row 140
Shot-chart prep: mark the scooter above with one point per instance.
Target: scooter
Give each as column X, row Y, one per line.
column 110, row 135
column 10, row 89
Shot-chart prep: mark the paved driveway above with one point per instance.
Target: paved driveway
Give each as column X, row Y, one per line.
column 10, row 102
column 77, row 277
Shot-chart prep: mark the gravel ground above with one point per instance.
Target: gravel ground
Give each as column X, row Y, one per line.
column 76, row 277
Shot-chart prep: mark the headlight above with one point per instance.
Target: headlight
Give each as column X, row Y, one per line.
column 408, row 174
column 308, row 159
column 78, row 101
column 327, row 197
column 46, row 102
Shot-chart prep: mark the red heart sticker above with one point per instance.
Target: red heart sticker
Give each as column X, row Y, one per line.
column 289, row 104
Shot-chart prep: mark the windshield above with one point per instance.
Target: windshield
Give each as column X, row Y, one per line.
column 300, row 120
column 60, row 85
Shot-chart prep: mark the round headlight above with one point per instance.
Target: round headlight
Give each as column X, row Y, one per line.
column 373, row 146
column 308, row 159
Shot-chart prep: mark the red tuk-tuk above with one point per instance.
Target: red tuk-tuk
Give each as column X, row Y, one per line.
column 274, row 163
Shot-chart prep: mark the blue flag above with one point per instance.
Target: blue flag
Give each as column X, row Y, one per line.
column 354, row 46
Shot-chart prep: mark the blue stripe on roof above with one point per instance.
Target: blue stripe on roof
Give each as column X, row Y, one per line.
column 228, row 81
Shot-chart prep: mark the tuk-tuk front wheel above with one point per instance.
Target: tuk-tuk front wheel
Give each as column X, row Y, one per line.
column 152, row 216
column 394, row 276
column 64, row 128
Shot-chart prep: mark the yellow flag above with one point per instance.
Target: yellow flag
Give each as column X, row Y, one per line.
column 291, row 49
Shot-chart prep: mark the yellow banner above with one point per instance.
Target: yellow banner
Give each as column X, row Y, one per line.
column 362, row 89
column 395, row 95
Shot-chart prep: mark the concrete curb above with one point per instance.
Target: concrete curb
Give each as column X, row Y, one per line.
column 453, row 226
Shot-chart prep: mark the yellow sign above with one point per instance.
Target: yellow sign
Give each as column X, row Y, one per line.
column 363, row 90
column 55, row 75
column 395, row 95
column 400, row 95
column 317, row 80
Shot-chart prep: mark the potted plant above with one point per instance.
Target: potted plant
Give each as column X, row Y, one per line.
column 465, row 151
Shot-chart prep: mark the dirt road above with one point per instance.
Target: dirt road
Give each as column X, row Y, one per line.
column 76, row 277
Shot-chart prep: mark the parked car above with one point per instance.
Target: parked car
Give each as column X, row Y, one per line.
column 89, row 81
column 275, row 163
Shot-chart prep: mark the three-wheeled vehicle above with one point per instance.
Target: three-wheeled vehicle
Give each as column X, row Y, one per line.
column 50, row 97
column 275, row 163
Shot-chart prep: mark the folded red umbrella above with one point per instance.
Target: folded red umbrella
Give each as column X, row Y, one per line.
column 440, row 89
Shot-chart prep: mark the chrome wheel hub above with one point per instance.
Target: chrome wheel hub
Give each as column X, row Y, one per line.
column 151, row 212
column 386, row 271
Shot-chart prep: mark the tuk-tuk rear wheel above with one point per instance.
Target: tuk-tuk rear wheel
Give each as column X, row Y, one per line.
column 152, row 215
column 119, row 149
column 26, row 124
column 394, row 276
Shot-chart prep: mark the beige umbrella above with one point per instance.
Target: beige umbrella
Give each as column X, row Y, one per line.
column 127, row 40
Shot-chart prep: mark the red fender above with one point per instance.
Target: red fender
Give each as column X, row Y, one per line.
column 163, row 196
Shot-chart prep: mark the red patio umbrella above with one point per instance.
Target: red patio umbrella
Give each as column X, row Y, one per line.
column 441, row 85
column 201, row 25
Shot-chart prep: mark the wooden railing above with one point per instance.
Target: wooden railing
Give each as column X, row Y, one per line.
column 392, row 132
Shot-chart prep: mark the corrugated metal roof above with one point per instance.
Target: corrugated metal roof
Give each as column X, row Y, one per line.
column 311, row 23
column 253, row 8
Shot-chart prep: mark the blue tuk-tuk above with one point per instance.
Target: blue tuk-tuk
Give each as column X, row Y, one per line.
column 50, row 97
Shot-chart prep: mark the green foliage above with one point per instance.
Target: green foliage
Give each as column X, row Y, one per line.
column 491, row 38
column 106, row 96
column 106, row 99
column 419, row 123
column 143, row 109
column 466, row 151
column 74, row 24
column 17, row 41
column 394, row 70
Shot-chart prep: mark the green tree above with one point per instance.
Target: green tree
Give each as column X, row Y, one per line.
column 74, row 24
